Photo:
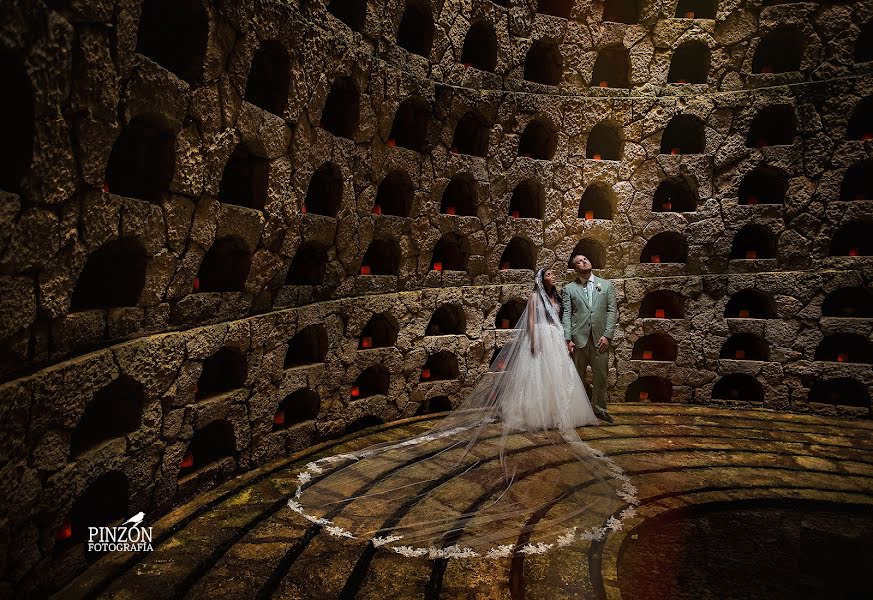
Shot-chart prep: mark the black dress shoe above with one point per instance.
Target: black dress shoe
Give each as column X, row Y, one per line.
column 605, row 416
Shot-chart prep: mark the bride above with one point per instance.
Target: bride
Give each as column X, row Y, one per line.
column 505, row 473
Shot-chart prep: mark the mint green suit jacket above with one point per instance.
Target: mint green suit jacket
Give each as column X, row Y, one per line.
column 597, row 318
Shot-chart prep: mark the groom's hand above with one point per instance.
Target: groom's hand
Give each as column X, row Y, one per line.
column 602, row 344
column 571, row 347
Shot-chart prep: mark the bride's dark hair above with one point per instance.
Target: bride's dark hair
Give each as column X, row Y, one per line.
column 553, row 293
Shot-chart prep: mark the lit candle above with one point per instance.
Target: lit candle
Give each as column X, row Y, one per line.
column 647, row 355
column 516, row 214
column 188, row 460
column 196, row 284
column 504, row 323
column 105, row 187
column 666, row 206
column 843, row 357
column 468, row 65
column 762, row 142
column 425, row 373
column 367, row 342
column 454, row 150
column 392, row 142
column 589, row 215
column 767, row 69
column 356, row 391
column 744, row 313
column 377, row 209
column 604, row 84
column 854, row 252
column 644, row 395
column 751, row 254
column 279, row 417
column 660, row 313
column 674, row 150
column 866, row 136
column 681, row 81
column 656, row 258
column 689, row 14
column 740, row 354
column 752, row 199
column 501, row 365
column 65, row 531
column 365, row 269
column 303, row 209
column 451, row 210
column 504, row 265
column 859, row 195
column 437, row 266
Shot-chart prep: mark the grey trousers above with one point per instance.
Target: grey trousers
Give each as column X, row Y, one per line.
column 599, row 361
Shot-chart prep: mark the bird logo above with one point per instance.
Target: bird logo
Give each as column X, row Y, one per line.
column 135, row 520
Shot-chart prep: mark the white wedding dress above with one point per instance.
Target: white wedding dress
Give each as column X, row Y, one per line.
column 505, row 473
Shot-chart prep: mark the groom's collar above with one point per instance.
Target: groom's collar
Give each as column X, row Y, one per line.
column 591, row 278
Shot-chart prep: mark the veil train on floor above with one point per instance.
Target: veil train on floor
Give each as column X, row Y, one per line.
column 505, row 473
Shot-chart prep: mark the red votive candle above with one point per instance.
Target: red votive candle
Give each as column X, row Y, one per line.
column 660, row 313
column 504, row 324
column 356, row 391
column 437, row 266
column 843, row 357
column 516, row 214
column 604, row 84
column 744, row 313
column 377, row 209
column 656, row 258
column 751, row 254
column 365, row 270
column 740, row 354
column 647, row 355
column 367, row 342
column 279, row 417
column 392, row 142
column 589, row 215
column 644, row 395
column 674, row 150
column 596, row 156
column 188, row 460
column 451, row 210
column 65, row 531
column 425, row 373
column 666, row 206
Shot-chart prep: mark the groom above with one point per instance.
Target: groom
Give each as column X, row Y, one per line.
column 589, row 318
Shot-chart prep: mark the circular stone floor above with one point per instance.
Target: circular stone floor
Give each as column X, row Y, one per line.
column 734, row 504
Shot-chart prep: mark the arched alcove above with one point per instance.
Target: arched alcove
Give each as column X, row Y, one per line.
column 447, row 319
column 374, row 380
column 864, row 44
column 245, row 179
column 685, row 134
column 225, row 267
column 860, row 125
column 460, row 196
column 361, row 423
column 597, row 202
column 528, row 200
column 689, row 63
column 143, row 160
column 114, row 411
column 593, row 250
column 855, row 238
column 622, row 11
column 655, row 346
column 297, row 407
column 450, row 253
column 841, row 391
column 773, row 125
column 342, row 109
column 779, row 51
column 662, row 304
column 114, row 275
column 539, row 139
column 556, row 8
column 665, row 247
column 605, row 142
column 753, row 242
column 351, row 12
column 471, row 134
column 854, row 302
column 497, row 362
column 845, row 347
column 307, row 347
column 379, row 332
column 325, row 192
column 415, row 32
column 543, row 63
column 437, row 404
column 480, row 47
column 675, row 194
column 738, row 387
column 173, row 33
column 745, row 346
column 858, row 181
column 104, row 502
column 611, row 68
column 649, row 388
column 209, row 445
column 509, row 314
column 519, row 253
column 382, row 258
column 395, row 195
column 409, row 129
column 750, row 303
column 222, row 372
column 696, row 9
column 442, row 365
column 269, row 77
column 763, row 185
column 309, row 265
column 16, row 122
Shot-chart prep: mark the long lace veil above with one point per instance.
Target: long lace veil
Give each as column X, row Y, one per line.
column 505, row 473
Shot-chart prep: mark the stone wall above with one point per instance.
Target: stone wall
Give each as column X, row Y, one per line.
column 190, row 185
